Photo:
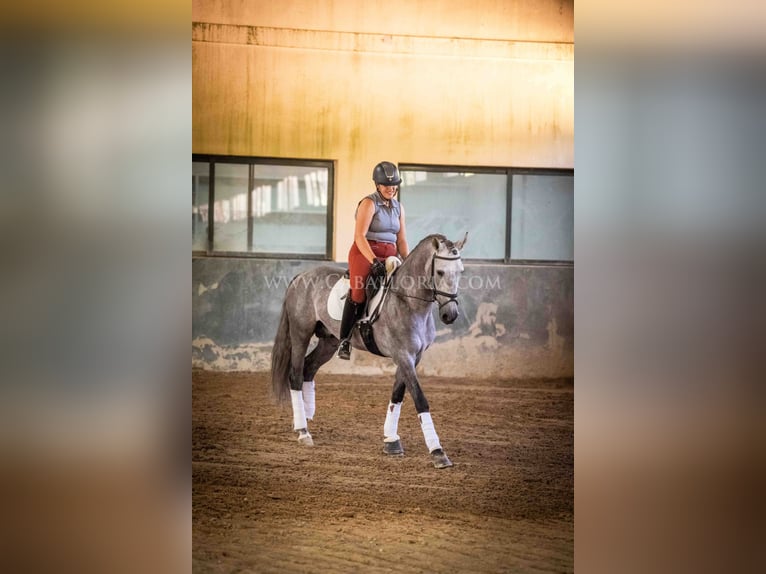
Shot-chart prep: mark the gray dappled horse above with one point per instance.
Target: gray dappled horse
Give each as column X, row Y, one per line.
column 404, row 329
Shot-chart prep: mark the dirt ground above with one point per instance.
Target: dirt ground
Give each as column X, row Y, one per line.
column 264, row 503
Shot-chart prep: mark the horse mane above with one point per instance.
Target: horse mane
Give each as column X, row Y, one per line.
column 439, row 236
column 421, row 247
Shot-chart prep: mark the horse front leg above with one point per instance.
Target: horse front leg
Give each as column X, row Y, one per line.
column 410, row 379
column 392, row 444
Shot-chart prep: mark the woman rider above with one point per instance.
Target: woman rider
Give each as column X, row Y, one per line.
column 379, row 233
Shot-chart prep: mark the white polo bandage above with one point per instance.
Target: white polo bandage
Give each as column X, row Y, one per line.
column 391, row 426
column 299, row 413
column 429, row 433
column 309, row 399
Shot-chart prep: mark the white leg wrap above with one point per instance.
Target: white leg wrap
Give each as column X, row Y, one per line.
column 309, row 399
column 391, row 426
column 299, row 414
column 429, row 432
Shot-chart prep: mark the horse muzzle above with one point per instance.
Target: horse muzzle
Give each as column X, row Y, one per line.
column 449, row 312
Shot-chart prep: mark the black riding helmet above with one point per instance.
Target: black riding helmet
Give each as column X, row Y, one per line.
column 386, row 173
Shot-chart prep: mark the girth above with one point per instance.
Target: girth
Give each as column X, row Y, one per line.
column 365, row 330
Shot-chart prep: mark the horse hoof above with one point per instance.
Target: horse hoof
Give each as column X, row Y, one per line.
column 393, row 447
column 305, row 439
column 440, row 459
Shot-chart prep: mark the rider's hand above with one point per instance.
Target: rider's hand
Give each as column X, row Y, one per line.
column 377, row 269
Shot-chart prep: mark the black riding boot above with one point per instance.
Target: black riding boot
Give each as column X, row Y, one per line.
column 351, row 313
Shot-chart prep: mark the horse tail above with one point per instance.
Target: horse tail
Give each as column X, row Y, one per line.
column 281, row 353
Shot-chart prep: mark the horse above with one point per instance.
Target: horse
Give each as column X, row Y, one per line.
column 403, row 330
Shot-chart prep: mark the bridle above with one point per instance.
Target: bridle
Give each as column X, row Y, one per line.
column 434, row 291
column 450, row 296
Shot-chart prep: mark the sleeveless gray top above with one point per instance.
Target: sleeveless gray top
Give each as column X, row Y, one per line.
column 385, row 223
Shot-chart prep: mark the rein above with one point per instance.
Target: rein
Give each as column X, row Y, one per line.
column 434, row 291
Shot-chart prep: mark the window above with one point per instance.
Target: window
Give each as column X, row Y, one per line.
column 267, row 207
column 542, row 219
column 511, row 215
column 200, row 187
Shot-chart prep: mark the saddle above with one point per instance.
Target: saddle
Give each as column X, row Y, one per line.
column 376, row 294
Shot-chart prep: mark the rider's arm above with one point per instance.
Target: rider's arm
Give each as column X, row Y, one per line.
column 364, row 215
column 401, row 237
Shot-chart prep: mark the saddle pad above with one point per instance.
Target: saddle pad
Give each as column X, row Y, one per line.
column 337, row 298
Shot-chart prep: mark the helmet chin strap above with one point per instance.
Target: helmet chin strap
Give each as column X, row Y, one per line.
column 382, row 197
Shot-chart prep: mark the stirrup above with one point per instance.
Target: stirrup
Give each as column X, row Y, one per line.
column 344, row 350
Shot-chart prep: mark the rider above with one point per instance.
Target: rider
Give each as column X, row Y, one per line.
column 379, row 232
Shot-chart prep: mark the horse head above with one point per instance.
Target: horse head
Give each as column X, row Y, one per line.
column 446, row 269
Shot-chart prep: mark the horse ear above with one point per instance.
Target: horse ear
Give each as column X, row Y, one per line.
column 436, row 243
column 460, row 243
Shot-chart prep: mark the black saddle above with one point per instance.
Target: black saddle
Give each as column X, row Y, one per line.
column 365, row 327
column 372, row 286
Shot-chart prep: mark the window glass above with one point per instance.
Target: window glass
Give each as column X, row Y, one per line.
column 542, row 220
column 261, row 208
column 290, row 209
column 200, row 196
column 452, row 203
column 230, row 208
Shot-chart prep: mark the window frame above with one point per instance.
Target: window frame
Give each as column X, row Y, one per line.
column 213, row 159
column 509, row 172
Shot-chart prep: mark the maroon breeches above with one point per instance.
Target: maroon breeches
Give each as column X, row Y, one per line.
column 359, row 267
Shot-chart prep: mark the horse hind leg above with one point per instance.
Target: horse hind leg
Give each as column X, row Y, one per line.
column 300, row 423
column 299, row 345
column 323, row 352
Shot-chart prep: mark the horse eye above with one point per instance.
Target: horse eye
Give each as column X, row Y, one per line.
column 440, row 273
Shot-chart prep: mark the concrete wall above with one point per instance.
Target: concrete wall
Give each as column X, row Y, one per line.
column 515, row 321
column 482, row 82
